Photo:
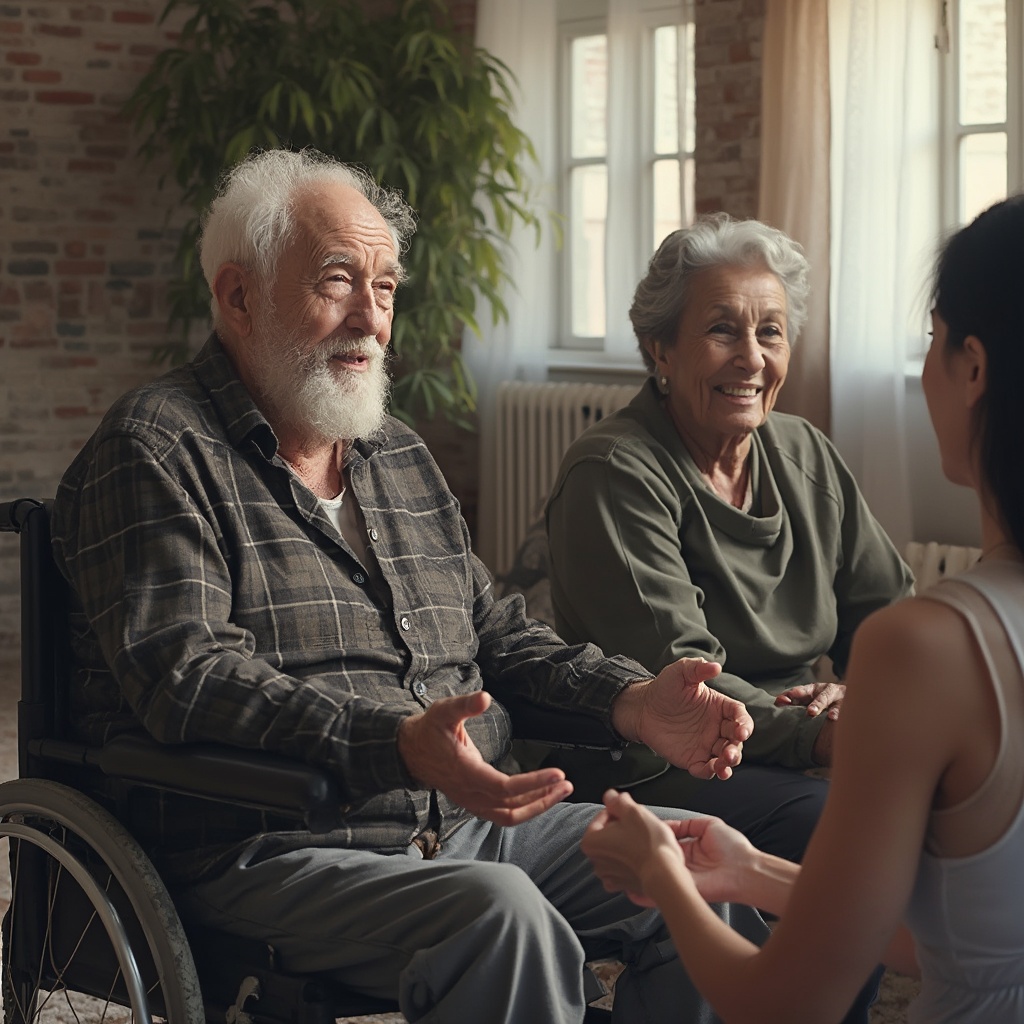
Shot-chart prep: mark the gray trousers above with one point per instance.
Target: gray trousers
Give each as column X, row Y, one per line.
column 494, row 930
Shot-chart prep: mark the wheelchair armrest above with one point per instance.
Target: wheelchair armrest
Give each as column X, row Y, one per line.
column 251, row 778
column 559, row 728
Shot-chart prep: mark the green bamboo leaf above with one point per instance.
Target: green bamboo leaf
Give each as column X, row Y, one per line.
column 405, row 97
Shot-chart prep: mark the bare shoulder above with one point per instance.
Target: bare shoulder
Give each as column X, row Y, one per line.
column 918, row 640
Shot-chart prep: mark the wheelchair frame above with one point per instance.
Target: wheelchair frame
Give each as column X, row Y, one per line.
column 57, row 832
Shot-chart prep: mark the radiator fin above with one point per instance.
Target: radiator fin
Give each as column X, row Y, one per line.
column 536, row 423
column 929, row 561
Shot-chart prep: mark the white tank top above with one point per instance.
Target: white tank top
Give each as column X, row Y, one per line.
column 967, row 913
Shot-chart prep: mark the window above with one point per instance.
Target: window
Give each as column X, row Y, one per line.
column 627, row 142
column 983, row 105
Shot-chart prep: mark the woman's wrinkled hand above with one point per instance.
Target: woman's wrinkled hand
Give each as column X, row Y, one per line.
column 816, row 697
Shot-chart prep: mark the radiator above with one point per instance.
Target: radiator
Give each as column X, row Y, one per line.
column 536, row 422
column 929, row 562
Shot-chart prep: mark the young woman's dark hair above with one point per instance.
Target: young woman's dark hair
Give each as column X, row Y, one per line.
column 979, row 290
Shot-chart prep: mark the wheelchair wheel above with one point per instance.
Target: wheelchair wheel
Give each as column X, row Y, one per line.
column 91, row 933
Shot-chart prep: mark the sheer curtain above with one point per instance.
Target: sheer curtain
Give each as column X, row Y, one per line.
column 794, row 189
column 522, row 34
column 885, row 208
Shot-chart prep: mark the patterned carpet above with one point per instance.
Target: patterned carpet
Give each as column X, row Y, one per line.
column 891, row 1007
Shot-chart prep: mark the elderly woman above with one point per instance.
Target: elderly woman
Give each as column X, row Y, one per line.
column 697, row 522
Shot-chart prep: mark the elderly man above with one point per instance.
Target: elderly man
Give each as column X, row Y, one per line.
column 264, row 558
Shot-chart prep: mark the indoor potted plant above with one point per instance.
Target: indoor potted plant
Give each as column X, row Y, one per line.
column 401, row 94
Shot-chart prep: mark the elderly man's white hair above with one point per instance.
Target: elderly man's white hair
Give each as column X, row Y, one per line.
column 251, row 219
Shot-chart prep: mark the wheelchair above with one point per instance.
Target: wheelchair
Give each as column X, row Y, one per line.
column 91, row 933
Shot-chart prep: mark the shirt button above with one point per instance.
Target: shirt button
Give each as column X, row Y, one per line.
column 404, row 622
column 419, row 687
column 358, row 577
column 374, row 535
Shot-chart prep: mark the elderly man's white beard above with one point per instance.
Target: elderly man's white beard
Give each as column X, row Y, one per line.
column 307, row 392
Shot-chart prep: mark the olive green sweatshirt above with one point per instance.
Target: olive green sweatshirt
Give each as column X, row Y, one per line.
column 648, row 561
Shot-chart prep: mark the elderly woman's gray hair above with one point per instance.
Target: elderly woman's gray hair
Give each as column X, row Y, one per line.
column 251, row 220
column 714, row 240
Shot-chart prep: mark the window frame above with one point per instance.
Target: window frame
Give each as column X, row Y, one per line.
column 952, row 133
column 576, row 19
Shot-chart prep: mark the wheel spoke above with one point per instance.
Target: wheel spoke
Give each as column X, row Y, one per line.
column 88, row 873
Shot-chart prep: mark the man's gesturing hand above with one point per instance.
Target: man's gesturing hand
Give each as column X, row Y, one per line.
column 694, row 727
column 439, row 754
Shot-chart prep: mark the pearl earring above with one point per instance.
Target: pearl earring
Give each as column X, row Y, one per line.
column 663, row 384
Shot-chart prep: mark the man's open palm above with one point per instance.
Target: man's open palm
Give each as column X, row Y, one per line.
column 691, row 725
column 439, row 754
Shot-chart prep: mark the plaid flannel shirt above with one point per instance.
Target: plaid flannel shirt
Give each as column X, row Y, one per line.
column 217, row 602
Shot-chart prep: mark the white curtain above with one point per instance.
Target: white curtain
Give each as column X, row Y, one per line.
column 623, row 243
column 794, row 187
column 885, row 216
column 523, row 35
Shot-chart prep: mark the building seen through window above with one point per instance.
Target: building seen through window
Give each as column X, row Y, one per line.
column 983, row 42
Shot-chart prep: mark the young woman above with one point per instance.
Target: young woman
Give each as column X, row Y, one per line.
column 925, row 820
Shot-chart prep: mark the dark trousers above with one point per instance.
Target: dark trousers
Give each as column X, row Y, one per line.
column 775, row 808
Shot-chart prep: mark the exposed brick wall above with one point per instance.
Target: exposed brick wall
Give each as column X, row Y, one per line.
column 87, row 237
column 728, row 104
column 85, row 240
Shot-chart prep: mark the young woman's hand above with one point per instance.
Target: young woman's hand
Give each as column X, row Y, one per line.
column 630, row 848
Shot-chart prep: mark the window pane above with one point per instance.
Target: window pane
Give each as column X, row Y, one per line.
column 982, row 61
column 982, row 173
column 667, row 206
column 666, row 91
column 689, row 190
column 589, row 96
column 691, row 92
column 587, row 220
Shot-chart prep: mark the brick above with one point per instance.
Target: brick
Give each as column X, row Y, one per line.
column 66, row 330
column 76, row 250
column 39, row 291
column 132, row 18
column 28, row 268
column 34, row 247
column 80, row 267
column 23, row 57
column 89, row 12
column 65, row 97
column 107, row 152
column 69, row 361
column 62, row 31
column 27, row 215
column 32, row 342
column 79, row 166
column 40, row 77
column 95, row 216
column 11, row 28
column 131, row 268
column 105, row 131
column 118, row 198
column 105, row 47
